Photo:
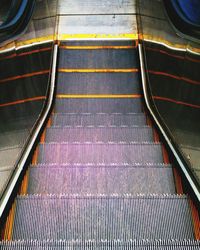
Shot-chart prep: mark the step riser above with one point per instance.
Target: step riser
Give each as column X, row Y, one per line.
column 99, row 134
column 98, row 59
column 98, row 83
column 106, row 105
column 98, row 120
column 100, row 153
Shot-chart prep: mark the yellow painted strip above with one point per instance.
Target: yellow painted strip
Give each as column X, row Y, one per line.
column 24, row 186
column 36, row 40
column 17, row 44
column 6, row 229
column 96, row 96
column 98, row 70
column 10, row 222
column 64, row 37
column 152, row 38
column 97, row 36
column 95, row 47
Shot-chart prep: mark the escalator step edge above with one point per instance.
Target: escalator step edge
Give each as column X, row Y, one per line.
column 116, row 245
column 102, row 217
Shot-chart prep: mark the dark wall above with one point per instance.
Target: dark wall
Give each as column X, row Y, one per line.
column 24, row 80
column 172, row 65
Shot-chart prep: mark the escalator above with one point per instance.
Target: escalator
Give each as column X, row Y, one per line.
column 16, row 16
column 100, row 177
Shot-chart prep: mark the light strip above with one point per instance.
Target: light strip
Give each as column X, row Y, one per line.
column 97, row 96
column 98, row 70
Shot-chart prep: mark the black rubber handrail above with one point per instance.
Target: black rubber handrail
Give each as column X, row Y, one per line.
column 13, row 9
column 12, row 28
column 180, row 22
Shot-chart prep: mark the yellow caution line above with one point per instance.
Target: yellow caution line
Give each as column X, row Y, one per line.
column 95, row 47
column 18, row 44
column 98, row 70
column 24, row 185
column 96, row 96
column 36, row 40
column 97, row 36
column 64, row 37
column 160, row 40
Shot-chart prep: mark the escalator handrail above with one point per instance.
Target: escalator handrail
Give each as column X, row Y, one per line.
column 180, row 23
column 179, row 11
column 10, row 24
column 34, row 137
column 183, row 165
column 12, row 11
column 22, row 23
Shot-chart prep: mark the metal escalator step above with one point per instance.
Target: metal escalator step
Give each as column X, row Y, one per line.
column 98, row 83
column 103, row 105
column 98, row 43
column 102, row 217
column 103, row 58
column 102, row 179
column 100, row 153
column 136, row 134
column 101, row 245
column 67, row 119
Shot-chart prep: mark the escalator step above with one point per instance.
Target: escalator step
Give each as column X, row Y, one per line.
column 98, row 83
column 88, row 245
column 139, row 134
column 68, row 119
column 103, row 105
column 100, row 153
column 101, row 217
column 95, row 59
column 98, row 43
column 102, row 179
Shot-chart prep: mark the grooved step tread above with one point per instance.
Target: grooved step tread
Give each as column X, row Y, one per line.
column 100, row 153
column 102, row 245
column 98, row 83
column 67, row 119
column 103, row 105
column 102, row 179
column 98, row 59
column 123, row 217
column 137, row 134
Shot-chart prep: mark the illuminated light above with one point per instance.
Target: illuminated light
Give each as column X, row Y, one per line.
column 24, row 76
column 60, row 96
column 175, row 101
column 26, row 53
column 38, row 98
column 98, row 70
column 94, row 47
column 174, row 76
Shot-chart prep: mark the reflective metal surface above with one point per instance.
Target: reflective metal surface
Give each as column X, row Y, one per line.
column 173, row 70
column 24, row 77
